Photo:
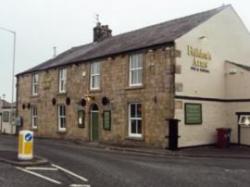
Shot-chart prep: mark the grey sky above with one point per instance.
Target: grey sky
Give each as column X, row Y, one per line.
column 42, row 24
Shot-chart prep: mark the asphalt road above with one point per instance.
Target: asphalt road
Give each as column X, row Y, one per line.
column 104, row 168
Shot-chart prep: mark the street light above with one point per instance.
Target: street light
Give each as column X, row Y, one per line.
column 13, row 72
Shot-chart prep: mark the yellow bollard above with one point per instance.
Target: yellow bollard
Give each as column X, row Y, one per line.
column 25, row 145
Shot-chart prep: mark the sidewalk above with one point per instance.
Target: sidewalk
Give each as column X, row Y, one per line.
column 211, row 151
column 234, row 151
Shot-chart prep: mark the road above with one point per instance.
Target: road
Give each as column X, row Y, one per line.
column 104, row 168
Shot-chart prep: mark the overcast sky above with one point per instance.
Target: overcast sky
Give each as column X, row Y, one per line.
column 42, row 24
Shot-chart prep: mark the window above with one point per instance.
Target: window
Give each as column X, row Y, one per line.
column 95, row 75
column 61, row 118
column 135, row 120
column 62, row 80
column 135, row 70
column 35, row 79
column 244, row 120
column 34, row 117
column 6, row 117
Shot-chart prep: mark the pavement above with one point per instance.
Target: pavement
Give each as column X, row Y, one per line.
column 211, row 151
column 208, row 151
column 97, row 165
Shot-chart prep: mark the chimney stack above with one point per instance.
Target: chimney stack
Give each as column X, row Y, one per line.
column 101, row 32
column 54, row 52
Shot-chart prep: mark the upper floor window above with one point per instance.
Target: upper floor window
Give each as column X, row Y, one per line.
column 62, row 80
column 135, row 70
column 35, row 78
column 95, row 74
column 61, row 118
column 34, row 117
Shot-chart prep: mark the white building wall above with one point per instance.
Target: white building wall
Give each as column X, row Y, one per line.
column 7, row 127
column 225, row 38
column 237, row 86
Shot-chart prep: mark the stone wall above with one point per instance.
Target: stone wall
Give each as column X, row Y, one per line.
column 156, row 97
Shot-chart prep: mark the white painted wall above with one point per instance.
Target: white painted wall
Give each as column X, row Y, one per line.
column 6, row 126
column 237, row 83
column 226, row 39
column 237, row 86
column 213, row 117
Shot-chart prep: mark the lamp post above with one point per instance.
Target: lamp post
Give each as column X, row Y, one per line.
column 13, row 72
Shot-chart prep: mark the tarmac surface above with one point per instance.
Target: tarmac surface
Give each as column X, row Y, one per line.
column 113, row 166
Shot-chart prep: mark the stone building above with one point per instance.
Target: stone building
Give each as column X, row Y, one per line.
column 124, row 89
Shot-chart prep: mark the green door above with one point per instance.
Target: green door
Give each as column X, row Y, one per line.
column 95, row 125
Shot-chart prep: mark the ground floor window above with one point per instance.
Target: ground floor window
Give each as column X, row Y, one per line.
column 61, row 118
column 135, row 120
column 34, row 117
column 6, row 117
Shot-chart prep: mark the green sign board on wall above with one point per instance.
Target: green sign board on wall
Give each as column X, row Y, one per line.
column 107, row 120
column 193, row 114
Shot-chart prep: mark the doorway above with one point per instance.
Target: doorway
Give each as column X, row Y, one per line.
column 94, row 123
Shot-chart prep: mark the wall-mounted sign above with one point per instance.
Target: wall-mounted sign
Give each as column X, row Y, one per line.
column 193, row 114
column 200, row 59
column 47, row 81
column 107, row 120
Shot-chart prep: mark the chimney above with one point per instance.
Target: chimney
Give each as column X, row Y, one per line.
column 54, row 52
column 101, row 32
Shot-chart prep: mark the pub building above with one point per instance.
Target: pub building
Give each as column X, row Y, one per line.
column 134, row 88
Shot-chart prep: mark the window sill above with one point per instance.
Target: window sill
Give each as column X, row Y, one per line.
column 95, row 90
column 62, row 94
column 34, row 96
column 34, row 129
column 135, row 138
column 61, row 131
column 135, row 87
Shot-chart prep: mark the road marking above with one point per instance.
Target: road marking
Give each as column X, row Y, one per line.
column 70, row 172
column 42, row 168
column 39, row 175
column 79, row 185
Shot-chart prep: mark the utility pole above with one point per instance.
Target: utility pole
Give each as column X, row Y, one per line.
column 12, row 75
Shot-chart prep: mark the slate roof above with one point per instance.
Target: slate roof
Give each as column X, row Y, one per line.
column 154, row 35
column 5, row 104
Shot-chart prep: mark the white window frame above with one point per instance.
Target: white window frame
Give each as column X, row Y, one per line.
column 95, row 74
column 135, row 135
column 34, row 117
column 62, row 80
column 35, row 79
column 137, row 69
column 61, row 127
